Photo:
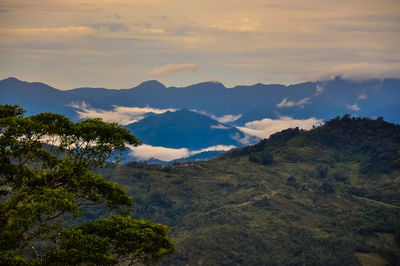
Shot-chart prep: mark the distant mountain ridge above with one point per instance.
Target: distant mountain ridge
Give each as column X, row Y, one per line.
column 36, row 97
column 322, row 99
column 256, row 108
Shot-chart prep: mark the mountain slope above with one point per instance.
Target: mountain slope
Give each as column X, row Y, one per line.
column 330, row 196
column 184, row 129
column 36, row 97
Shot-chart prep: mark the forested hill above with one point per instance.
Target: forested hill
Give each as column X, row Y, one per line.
column 371, row 142
column 328, row 196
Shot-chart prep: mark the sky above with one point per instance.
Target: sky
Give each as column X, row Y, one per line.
column 121, row 43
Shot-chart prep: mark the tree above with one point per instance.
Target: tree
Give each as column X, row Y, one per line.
column 263, row 158
column 47, row 182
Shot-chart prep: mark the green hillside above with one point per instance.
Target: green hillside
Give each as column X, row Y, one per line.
column 329, row 196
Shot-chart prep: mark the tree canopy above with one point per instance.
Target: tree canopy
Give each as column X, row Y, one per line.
column 47, row 181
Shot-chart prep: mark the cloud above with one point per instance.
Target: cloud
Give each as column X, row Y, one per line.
column 222, row 119
column 303, row 102
column 362, row 71
column 353, row 107
column 356, row 107
column 319, row 89
column 219, row 126
column 300, row 103
column 285, row 103
column 173, row 68
column 4, row 10
column 120, row 114
column 253, row 45
column 112, row 27
column 362, row 96
column 69, row 30
column 214, row 148
column 66, row 34
column 238, row 25
column 145, row 152
column 226, row 118
column 266, row 127
column 246, row 139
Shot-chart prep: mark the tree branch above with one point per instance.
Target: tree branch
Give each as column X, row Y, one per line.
column 26, row 240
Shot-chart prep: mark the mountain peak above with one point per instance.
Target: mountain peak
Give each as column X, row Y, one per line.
column 213, row 82
column 11, row 80
column 208, row 85
column 184, row 129
column 151, row 84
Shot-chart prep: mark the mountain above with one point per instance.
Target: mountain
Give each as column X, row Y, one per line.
column 237, row 106
column 185, row 129
column 328, row 196
column 144, row 94
column 322, row 99
column 36, row 97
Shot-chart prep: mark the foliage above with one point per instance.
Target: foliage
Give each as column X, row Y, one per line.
column 263, row 158
column 320, row 209
column 47, row 181
column 374, row 142
column 291, row 181
column 377, row 139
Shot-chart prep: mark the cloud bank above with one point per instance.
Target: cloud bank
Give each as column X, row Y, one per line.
column 266, row 127
column 120, row 114
column 173, row 68
column 146, row 152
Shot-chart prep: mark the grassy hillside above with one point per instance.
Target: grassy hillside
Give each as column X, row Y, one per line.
column 329, row 196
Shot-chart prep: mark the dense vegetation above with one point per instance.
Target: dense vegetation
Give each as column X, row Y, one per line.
column 328, row 196
column 44, row 189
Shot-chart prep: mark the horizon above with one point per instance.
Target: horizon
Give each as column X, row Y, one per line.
column 336, row 77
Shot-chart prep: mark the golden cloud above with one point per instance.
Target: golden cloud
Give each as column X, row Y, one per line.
column 173, row 68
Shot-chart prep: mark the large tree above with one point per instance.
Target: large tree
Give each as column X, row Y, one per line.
column 47, row 181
